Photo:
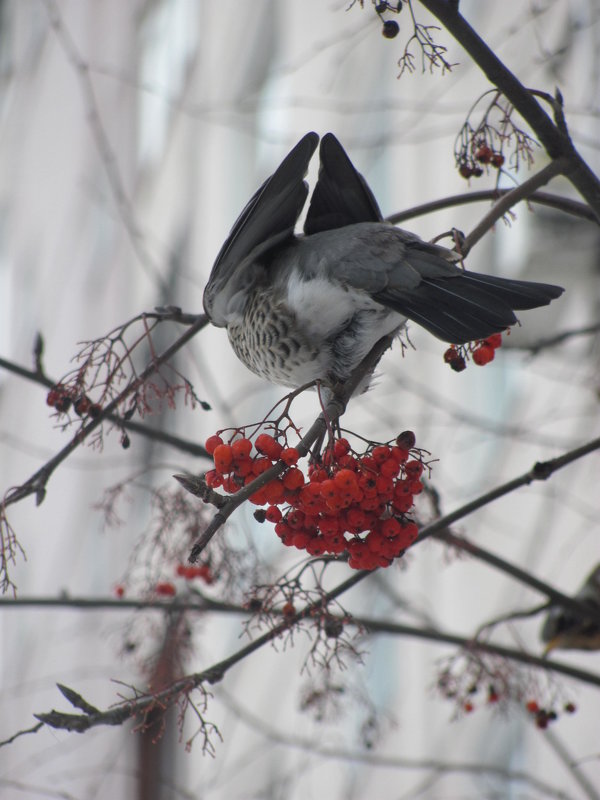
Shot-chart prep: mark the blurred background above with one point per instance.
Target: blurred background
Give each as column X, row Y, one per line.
column 132, row 134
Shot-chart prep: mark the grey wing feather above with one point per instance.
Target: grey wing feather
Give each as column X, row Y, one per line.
column 267, row 219
column 342, row 196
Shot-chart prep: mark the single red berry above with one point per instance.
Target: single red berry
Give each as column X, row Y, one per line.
column 289, row 456
column 165, row 589
column 273, row 514
column 341, row 447
column 484, row 154
column 495, row 340
column 119, row 590
column 468, row 707
column 52, row 397
column 345, row 479
column 390, row 527
column 274, row 491
column 390, row 467
column 293, row 478
column 223, row 458
column 213, row 479
column 381, row 453
column 62, row 403
column 241, row 448
column 497, row 160
column 532, row 706
column 465, row 170
column 483, row 354
column 570, row 708
column 288, row 609
column 477, row 172
column 212, row 443
column 82, row 404
column 414, row 469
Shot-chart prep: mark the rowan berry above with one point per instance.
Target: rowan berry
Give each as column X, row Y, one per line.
column 288, row 609
column 406, row 440
column 468, row 707
column 268, row 446
column 315, row 546
column 380, row 454
column 300, row 539
column 495, row 340
column 345, row 480
column 273, row 514
column 341, row 448
column 165, row 589
column 483, row 354
column 242, row 466
column 212, row 443
column 241, row 448
column 484, row 154
column 260, row 465
column 274, row 491
column 497, row 160
column 119, row 590
column 82, row 404
column 390, row 467
column 532, row 706
column 222, row 456
column 570, row 708
column 213, row 479
column 390, row 29
column 289, row 456
column 293, row 478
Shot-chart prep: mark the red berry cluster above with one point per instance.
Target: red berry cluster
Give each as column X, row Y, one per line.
column 165, row 589
column 61, row 398
column 469, row 167
column 191, row 571
column 482, row 352
column 350, row 502
column 544, row 716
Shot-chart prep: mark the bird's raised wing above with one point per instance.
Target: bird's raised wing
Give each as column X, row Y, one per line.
column 267, row 219
column 341, row 196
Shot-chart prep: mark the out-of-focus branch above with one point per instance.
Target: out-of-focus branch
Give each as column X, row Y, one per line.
column 572, row 207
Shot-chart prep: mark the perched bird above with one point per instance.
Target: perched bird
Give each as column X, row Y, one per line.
column 564, row 630
column 298, row 308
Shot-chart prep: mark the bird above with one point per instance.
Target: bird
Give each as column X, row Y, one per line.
column 302, row 308
column 564, row 630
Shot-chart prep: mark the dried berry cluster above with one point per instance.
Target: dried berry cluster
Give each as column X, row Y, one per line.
column 544, row 716
column 349, row 503
column 62, row 397
column 484, row 154
column 482, row 352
